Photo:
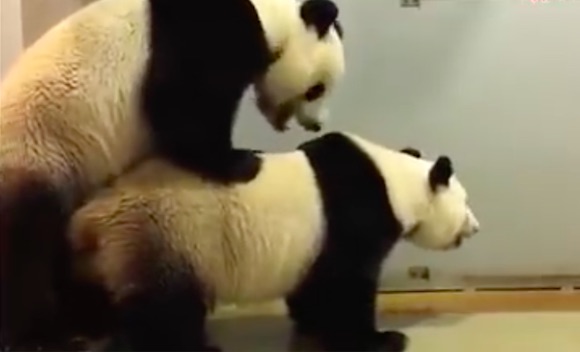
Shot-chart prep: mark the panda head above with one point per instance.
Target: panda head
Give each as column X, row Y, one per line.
column 442, row 218
column 426, row 197
column 309, row 61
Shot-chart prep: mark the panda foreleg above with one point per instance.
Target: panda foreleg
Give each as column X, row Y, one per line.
column 204, row 148
column 339, row 310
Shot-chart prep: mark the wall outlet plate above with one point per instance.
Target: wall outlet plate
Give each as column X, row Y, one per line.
column 419, row 273
column 410, row 3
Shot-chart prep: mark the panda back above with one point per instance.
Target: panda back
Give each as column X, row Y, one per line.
column 70, row 96
column 244, row 243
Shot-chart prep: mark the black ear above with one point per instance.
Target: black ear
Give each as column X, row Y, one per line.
column 440, row 172
column 339, row 28
column 412, row 152
column 319, row 13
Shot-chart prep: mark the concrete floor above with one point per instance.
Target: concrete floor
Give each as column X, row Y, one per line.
column 494, row 332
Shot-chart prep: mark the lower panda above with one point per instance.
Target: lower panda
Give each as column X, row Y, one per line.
column 118, row 79
column 313, row 227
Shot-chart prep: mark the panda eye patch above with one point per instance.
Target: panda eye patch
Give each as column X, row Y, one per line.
column 315, row 92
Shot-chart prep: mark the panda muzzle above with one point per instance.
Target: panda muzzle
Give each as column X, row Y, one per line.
column 277, row 116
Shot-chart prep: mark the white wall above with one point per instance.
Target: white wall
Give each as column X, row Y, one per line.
column 23, row 21
column 10, row 33
column 496, row 84
column 39, row 15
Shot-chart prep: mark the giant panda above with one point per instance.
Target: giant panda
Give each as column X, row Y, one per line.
column 313, row 227
column 120, row 78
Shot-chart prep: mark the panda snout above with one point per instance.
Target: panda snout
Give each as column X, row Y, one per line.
column 473, row 230
column 473, row 224
column 311, row 117
column 309, row 123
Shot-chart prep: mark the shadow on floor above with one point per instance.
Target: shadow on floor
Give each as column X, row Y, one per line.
column 269, row 333
column 500, row 332
column 273, row 332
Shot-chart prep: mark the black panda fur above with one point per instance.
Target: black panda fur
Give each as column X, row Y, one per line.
column 337, row 297
column 190, row 100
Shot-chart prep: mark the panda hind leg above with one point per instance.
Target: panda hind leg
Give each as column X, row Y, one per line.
column 168, row 316
column 159, row 304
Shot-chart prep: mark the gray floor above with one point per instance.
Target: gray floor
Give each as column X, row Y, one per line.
column 497, row 332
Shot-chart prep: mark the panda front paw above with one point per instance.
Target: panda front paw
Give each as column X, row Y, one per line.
column 244, row 165
column 210, row 348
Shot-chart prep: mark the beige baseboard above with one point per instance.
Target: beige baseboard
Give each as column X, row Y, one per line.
column 436, row 280
column 477, row 301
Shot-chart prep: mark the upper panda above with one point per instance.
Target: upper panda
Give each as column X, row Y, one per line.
column 120, row 78
column 203, row 58
column 314, row 227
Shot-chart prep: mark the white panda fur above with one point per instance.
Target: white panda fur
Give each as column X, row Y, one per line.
column 70, row 118
column 315, row 222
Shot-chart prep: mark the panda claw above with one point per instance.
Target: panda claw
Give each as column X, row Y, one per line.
column 392, row 341
column 211, row 348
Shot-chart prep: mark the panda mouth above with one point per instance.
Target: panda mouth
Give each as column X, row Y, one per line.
column 277, row 115
column 457, row 242
column 411, row 232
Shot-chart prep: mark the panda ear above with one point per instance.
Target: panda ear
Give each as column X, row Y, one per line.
column 321, row 14
column 440, row 172
column 412, row 152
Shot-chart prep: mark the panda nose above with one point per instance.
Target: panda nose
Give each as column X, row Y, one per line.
column 475, row 229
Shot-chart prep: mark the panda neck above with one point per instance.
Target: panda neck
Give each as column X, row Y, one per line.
column 408, row 191
column 405, row 180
